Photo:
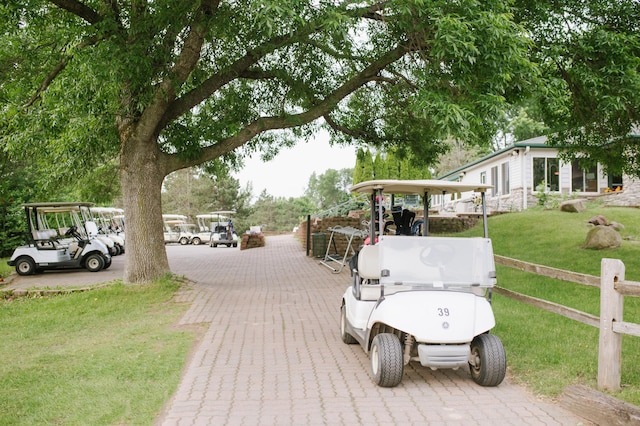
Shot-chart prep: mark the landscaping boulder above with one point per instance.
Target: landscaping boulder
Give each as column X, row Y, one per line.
column 599, row 220
column 603, row 237
column 572, row 206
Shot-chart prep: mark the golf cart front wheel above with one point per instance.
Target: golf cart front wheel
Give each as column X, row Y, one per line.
column 489, row 360
column 94, row 262
column 387, row 363
column 25, row 266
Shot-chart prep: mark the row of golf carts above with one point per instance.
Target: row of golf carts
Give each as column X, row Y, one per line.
column 215, row 228
column 68, row 235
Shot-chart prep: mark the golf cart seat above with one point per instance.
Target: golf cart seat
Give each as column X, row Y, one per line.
column 369, row 270
column 44, row 234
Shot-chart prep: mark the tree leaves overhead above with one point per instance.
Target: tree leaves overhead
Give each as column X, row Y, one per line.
column 259, row 59
column 588, row 52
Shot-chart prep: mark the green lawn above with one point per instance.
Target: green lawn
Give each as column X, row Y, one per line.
column 546, row 351
column 103, row 357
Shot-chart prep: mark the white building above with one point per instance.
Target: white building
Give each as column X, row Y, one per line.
column 520, row 171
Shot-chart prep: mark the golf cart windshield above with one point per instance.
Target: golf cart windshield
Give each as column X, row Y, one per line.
column 436, row 262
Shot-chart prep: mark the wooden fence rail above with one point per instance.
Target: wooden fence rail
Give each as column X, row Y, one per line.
column 613, row 288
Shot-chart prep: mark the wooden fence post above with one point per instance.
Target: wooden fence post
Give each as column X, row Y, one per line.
column 611, row 307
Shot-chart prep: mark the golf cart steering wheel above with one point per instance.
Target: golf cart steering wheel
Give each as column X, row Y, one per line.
column 71, row 231
column 435, row 256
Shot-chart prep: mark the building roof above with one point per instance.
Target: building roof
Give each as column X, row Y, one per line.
column 537, row 142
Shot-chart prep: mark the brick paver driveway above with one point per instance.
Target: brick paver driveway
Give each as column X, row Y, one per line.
column 272, row 354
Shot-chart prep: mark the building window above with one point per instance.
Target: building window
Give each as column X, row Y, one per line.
column 584, row 180
column 494, row 181
column 504, row 181
column 483, row 177
column 546, row 174
column 615, row 183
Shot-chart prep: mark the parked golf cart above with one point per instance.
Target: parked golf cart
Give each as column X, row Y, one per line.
column 103, row 216
column 60, row 237
column 423, row 298
column 174, row 232
column 206, row 224
column 223, row 233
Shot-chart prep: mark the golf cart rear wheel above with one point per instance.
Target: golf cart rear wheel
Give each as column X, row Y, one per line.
column 94, row 262
column 387, row 363
column 25, row 266
column 184, row 241
column 489, row 360
column 196, row 241
column 346, row 337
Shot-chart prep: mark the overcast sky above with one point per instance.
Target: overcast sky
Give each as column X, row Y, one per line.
column 287, row 175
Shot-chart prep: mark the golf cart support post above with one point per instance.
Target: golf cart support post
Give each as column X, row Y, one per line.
column 350, row 233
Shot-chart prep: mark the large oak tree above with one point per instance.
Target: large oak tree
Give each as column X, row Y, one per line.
column 164, row 85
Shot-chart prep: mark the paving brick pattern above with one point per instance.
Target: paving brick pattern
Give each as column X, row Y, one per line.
column 272, row 354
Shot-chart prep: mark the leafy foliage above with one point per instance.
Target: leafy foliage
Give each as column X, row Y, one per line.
column 278, row 214
column 588, row 54
column 329, row 188
column 389, row 165
column 194, row 191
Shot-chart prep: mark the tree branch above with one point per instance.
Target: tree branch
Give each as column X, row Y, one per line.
column 264, row 124
column 78, row 9
column 349, row 132
column 189, row 100
column 62, row 64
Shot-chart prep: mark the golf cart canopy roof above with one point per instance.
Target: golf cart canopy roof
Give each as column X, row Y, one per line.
column 430, row 186
column 223, row 212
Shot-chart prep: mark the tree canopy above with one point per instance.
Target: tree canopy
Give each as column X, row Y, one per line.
column 588, row 56
column 155, row 87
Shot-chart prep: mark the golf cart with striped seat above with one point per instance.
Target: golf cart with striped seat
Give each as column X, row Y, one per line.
column 420, row 298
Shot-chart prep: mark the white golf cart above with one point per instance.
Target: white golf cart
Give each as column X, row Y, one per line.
column 175, row 230
column 103, row 216
column 205, row 225
column 69, row 245
column 223, row 233
column 423, row 298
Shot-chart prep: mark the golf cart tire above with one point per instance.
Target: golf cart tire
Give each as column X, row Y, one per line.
column 196, row 241
column 346, row 337
column 25, row 266
column 214, row 245
column 184, row 241
column 490, row 360
column 94, row 262
column 387, row 363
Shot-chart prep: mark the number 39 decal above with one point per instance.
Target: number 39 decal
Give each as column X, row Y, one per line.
column 443, row 312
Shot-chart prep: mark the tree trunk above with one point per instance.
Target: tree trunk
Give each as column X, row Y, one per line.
column 141, row 177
